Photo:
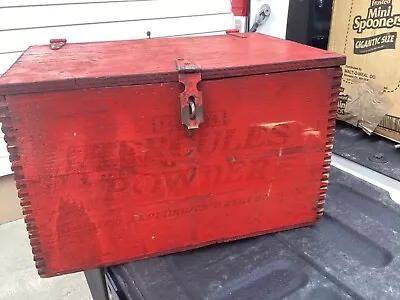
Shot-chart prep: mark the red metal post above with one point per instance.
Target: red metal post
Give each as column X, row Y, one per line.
column 240, row 10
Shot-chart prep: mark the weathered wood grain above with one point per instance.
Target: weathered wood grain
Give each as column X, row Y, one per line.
column 78, row 66
column 108, row 175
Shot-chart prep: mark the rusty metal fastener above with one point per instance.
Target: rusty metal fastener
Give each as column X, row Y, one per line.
column 235, row 32
column 56, row 44
column 191, row 104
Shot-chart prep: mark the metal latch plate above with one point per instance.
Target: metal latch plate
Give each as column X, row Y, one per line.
column 190, row 99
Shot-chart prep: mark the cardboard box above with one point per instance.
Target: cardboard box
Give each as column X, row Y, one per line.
column 367, row 32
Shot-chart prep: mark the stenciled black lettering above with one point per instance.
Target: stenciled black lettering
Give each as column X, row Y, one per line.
column 179, row 181
column 279, row 134
column 177, row 148
column 127, row 154
column 117, row 184
column 154, row 152
column 147, row 184
column 255, row 137
column 208, row 143
column 229, row 140
column 236, row 172
column 101, row 157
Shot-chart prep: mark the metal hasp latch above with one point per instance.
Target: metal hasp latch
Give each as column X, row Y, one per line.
column 190, row 99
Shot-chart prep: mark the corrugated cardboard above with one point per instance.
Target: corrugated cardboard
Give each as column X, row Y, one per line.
column 368, row 33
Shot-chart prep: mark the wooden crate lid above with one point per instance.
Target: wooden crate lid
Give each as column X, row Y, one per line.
column 116, row 63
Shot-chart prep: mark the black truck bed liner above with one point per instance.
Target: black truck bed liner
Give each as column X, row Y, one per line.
column 352, row 253
column 373, row 152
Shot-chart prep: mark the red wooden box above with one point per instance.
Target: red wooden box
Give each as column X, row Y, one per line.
column 131, row 149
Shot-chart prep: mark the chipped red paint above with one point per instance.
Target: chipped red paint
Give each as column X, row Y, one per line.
column 109, row 174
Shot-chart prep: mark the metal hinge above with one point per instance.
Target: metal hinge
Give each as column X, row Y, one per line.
column 190, row 99
column 56, row 44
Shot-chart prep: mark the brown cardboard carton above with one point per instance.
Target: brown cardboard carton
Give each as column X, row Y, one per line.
column 368, row 33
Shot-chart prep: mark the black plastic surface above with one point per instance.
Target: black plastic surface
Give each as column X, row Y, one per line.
column 374, row 152
column 352, row 253
column 309, row 22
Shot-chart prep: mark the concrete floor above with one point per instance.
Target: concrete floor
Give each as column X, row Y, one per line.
column 10, row 210
column 18, row 277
